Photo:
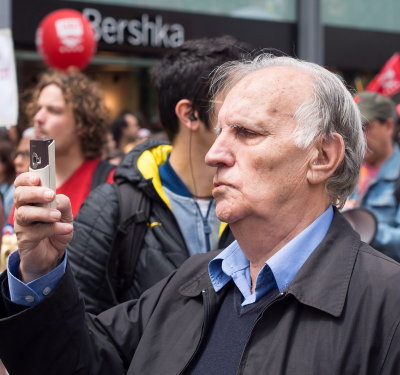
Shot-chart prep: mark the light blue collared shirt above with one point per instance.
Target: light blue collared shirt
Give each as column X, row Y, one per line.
column 278, row 272
column 199, row 229
column 36, row 290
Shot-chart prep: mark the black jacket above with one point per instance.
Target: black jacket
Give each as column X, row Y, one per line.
column 96, row 224
column 340, row 316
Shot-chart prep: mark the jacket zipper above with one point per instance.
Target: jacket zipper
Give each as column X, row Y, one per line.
column 280, row 297
column 203, row 329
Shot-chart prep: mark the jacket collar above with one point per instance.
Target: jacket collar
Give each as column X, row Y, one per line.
column 324, row 279
column 322, row 282
column 140, row 167
column 198, row 283
column 157, row 151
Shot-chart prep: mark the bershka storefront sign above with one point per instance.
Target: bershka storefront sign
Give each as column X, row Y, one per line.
column 144, row 31
column 148, row 32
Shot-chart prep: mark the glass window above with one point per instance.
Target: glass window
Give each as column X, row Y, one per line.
column 381, row 15
column 277, row 10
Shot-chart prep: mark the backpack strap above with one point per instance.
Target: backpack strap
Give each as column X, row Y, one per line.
column 101, row 173
column 134, row 209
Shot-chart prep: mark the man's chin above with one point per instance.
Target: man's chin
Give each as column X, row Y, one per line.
column 225, row 214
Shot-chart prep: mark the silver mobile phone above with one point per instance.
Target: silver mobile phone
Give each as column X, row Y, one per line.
column 43, row 163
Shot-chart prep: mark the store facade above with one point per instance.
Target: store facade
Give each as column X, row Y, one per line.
column 132, row 38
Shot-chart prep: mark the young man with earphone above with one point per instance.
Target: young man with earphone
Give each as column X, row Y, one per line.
column 173, row 177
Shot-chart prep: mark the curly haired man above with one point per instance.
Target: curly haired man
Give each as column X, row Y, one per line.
column 69, row 107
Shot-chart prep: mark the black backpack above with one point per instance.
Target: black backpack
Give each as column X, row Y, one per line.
column 134, row 212
column 101, row 173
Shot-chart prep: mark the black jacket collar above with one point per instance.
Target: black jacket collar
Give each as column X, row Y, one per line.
column 322, row 282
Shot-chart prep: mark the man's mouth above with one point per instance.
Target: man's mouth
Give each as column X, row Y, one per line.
column 40, row 133
column 217, row 184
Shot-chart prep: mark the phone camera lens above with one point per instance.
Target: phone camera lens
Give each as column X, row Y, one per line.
column 36, row 160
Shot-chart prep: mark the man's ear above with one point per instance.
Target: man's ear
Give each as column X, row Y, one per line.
column 328, row 155
column 186, row 116
column 389, row 123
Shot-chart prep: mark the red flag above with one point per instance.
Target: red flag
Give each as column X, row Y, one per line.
column 387, row 81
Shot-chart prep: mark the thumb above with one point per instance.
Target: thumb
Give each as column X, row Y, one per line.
column 64, row 206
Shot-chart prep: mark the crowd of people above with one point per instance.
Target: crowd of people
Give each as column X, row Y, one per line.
column 223, row 249
column 68, row 107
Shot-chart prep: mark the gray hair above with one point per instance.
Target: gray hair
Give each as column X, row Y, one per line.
column 330, row 109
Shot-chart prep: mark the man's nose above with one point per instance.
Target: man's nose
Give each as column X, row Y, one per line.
column 39, row 116
column 221, row 152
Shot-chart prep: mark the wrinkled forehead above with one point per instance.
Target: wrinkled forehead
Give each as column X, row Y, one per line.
column 272, row 89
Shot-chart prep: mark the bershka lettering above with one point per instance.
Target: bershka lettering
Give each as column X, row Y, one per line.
column 145, row 31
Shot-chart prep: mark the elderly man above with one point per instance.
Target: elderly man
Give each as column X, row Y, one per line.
column 298, row 293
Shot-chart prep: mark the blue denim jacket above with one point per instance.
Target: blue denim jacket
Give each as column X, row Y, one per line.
column 381, row 200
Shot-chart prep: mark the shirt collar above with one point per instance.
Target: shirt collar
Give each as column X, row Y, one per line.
column 231, row 263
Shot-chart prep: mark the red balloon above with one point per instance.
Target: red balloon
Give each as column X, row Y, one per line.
column 66, row 38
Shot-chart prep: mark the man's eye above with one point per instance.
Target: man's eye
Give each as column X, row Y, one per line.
column 56, row 111
column 366, row 126
column 244, row 133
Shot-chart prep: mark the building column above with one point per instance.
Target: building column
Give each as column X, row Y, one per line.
column 310, row 31
column 5, row 14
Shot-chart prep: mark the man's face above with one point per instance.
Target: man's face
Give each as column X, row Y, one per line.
column 131, row 131
column 54, row 119
column 379, row 141
column 21, row 160
column 260, row 171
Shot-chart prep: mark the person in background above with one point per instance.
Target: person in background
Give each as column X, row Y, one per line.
column 5, row 136
column 173, row 178
column 21, row 164
column 21, row 156
column 378, row 189
column 111, row 152
column 7, row 176
column 69, row 107
column 298, row 292
column 127, row 131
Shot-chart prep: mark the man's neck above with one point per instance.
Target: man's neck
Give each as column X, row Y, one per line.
column 260, row 239
column 189, row 165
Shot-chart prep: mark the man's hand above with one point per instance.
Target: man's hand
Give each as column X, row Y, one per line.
column 42, row 233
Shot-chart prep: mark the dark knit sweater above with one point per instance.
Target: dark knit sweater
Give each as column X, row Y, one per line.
column 224, row 345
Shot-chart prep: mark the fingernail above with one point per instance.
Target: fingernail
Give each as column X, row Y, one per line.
column 48, row 194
